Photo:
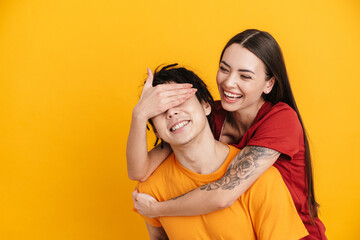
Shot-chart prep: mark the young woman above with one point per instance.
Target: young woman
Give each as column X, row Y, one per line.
column 257, row 113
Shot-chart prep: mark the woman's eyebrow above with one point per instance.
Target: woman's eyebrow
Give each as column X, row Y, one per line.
column 239, row 70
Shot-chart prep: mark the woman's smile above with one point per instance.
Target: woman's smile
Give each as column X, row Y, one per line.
column 231, row 97
column 241, row 79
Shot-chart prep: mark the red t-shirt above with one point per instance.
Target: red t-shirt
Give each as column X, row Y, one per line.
column 277, row 127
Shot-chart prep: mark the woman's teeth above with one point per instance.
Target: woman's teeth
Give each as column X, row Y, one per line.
column 231, row 95
column 179, row 125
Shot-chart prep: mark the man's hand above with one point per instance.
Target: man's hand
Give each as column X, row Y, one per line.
column 145, row 204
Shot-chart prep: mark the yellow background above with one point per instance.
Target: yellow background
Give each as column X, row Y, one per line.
column 70, row 74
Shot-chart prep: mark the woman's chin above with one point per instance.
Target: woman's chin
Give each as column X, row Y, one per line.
column 229, row 106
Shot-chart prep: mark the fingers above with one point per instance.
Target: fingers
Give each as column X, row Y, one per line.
column 177, row 102
column 165, row 96
column 174, row 86
column 179, row 93
column 176, row 99
column 170, row 86
column 165, row 103
column 134, row 195
column 146, row 198
column 150, row 78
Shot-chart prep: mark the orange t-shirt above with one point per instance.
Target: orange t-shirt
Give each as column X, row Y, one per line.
column 264, row 211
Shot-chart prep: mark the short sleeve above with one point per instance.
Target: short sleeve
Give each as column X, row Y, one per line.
column 144, row 188
column 272, row 209
column 280, row 130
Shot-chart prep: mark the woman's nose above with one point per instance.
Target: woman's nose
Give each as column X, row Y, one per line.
column 230, row 81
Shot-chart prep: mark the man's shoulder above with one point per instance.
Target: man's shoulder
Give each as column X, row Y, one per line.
column 269, row 176
column 270, row 181
column 272, row 208
column 272, row 172
column 267, row 189
column 157, row 177
column 233, row 151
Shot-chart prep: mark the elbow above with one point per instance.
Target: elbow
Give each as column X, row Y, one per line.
column 222, row 203
column 132, row 177
column 137, row 177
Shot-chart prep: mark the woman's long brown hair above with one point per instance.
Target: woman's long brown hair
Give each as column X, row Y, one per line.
column 265, row 47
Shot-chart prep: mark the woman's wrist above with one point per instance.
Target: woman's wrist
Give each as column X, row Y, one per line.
column 157, row 208
column 138, row 116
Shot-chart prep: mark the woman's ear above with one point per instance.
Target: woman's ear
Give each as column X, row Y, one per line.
column 269, row 85
column 207, row 108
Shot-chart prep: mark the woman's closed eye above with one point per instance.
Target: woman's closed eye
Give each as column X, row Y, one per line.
column 245, row 76
column 223, row 69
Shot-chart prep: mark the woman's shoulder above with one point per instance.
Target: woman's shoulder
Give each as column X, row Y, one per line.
column 279, row 114
column 279, row 110
column 281, row 106
column 276, row 118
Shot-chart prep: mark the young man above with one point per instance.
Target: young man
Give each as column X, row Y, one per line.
column 265, row 211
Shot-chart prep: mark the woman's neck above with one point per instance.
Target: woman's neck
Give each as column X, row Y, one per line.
column 243, row 118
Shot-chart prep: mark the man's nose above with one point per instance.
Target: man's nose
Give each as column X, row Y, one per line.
column 171, row 112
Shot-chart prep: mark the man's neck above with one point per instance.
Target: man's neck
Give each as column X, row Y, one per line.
column 203, row 154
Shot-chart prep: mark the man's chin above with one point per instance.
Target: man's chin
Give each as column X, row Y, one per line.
column 180, row 143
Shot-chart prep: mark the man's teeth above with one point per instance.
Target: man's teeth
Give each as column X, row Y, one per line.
column 179, row 125
column 231, row 95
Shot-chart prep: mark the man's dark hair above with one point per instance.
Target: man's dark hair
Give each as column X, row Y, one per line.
column 173, row 74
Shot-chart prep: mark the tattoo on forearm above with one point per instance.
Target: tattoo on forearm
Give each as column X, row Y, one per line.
column 182, row 194
column 241, row 168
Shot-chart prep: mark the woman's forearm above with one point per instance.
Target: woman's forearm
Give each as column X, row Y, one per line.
column 136, row 150
column 196, row 202
column 242, row 172
column 140, row 162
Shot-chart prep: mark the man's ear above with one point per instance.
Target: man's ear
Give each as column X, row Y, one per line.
column 207, row 108
column 154, row 130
